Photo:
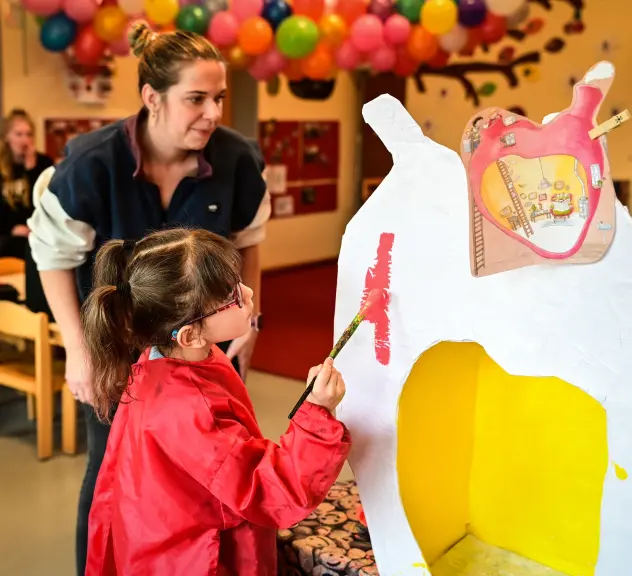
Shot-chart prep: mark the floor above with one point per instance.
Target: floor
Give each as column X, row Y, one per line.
column 38, row 499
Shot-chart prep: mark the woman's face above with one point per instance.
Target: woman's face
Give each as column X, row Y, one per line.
column 192, row 109
column 19, row 138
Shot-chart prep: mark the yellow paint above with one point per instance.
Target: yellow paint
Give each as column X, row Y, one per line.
column 518, row 462
column 622, row 473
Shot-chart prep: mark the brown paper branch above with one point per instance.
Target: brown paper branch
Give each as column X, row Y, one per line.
column 460, row 72
column 548, row 4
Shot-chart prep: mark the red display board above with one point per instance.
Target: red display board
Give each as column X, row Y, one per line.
column 302, row 160
column 59, row 131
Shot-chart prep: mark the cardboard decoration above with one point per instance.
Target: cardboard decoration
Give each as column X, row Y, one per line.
column 491, row 417
column 540, row 194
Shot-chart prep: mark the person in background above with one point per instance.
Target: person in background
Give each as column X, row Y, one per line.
column 188, row 485
column 170, row 165
column 20, row 167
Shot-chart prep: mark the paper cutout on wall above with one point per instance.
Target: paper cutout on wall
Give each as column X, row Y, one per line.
column 498, row 437
column 508, row 156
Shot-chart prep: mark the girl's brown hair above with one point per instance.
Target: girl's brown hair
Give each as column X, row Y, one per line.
column 6, row 156
column 142, row 294
column 161, row 56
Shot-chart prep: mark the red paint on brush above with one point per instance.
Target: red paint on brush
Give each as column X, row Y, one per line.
column 378, row 279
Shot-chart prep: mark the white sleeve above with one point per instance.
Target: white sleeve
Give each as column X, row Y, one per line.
column 57, row 241
column 255, row 233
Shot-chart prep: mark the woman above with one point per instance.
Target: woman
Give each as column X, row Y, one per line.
column 20, row 167
column 171, row 164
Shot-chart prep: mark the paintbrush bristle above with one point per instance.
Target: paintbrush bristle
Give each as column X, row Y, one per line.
column 371, row 300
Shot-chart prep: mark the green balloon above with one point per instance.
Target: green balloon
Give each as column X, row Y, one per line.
column 40, row 19
column 297, row 36
column 410, row 9
column 193, row 19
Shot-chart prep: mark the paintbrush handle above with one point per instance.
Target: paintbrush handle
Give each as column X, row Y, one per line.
column 302, row 399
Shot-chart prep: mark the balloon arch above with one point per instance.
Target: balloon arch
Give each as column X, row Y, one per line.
column 298, row 38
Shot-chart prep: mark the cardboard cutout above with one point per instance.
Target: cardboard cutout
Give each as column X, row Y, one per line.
column 540, row 194
column 491, row 417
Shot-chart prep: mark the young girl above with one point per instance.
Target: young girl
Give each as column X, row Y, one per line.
column 188, row 485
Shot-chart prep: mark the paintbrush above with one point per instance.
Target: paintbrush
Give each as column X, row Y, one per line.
column 372, row 298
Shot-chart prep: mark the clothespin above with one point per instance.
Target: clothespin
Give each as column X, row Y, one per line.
column 609, row 125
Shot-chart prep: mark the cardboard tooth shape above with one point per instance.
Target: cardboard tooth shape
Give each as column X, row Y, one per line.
column 491, row 417
column 540, row 193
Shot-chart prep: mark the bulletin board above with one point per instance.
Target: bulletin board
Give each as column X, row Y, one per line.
column 59, row 131
column 302, row 165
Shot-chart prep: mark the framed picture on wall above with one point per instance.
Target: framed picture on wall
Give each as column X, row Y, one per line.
column 59, row 131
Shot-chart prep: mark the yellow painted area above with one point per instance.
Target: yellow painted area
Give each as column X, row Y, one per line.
column 622, row 473
column 517, row 462
column 527, row 175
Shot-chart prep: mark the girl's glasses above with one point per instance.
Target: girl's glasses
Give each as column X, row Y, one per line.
column 236, row 300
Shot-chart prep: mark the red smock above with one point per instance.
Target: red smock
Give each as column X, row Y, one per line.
column 189, row 486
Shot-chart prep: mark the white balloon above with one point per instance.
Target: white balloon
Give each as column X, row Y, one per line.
column 504, row 7
column 454, row 40
column 132, row 7
column 518, row 17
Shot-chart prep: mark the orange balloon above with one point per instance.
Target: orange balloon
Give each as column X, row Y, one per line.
column 319, row 65
column 333, row 30
column 168, row 28
column 421, row 44
column 294, row 69
column 351, row 10
column 237, row 57
column 255, row 36
column 311, row 8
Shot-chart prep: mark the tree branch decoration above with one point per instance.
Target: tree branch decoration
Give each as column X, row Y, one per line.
column 507, row 65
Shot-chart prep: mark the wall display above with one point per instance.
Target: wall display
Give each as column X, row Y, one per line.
column 59, row 131
column 302, row 160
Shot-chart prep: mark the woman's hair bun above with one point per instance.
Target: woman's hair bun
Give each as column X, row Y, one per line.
column 140, row 36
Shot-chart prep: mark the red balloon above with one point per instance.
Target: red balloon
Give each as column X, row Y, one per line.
column 474, row 40
column 493, row 29
column 405, row 64
column 439, row 60
column 311, row 8
column 88, row 47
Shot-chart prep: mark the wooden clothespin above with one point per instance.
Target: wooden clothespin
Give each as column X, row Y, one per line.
column 609, row 125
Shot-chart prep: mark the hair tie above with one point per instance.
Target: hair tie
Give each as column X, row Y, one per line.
column 129, row 246
column 124, row 288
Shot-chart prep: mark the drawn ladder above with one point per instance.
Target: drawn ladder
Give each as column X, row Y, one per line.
column 522, row 215
column 479, row 243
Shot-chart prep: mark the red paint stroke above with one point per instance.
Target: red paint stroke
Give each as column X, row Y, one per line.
column 379, row 278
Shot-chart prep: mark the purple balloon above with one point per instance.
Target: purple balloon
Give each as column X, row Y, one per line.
column 381, row 8
column 472, row 13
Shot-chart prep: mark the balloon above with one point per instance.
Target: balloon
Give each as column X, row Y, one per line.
column 381, row 8
column 297, row 36
column 223, row 29
column 80, row 11
column 383, row 59
column 439, row 60
column 333, row 30
column 275, row 11
column 43, row 7
column 130, row 7
column 518, row 17
column 454, row 40
column 294, row 70
column 213, row 6
column 311, row 8
column 439, row 16
column 472, row 12
column 89, row 48
column 405, row 64
column 255, row 36
column 273, row 60
column 246, row 9
column 350, row 10
column 40, row 20
column 474, row 39
column 161, row 12
column 259, row 71
column 504, row 7
column 237, row 57
column 410, row 9
column 58, row 33
column 367, row 33
column 493, row 29
column 396, row 29
column 110, row 23
column 347, row 57
column 319, row 65
column 193, row 19
column 421, row 44
column 120, row 47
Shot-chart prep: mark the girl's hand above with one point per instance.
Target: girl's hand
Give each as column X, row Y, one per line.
column 20, row 230
column 329, row 388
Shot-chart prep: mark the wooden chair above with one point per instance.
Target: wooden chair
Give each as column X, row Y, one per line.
column 10, row 266
column 37, row 379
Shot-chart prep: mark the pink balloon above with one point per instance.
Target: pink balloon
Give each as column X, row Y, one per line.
column 396, row 29
column 273, row 61
column 43, row 7
column 244, row 9
column 81, row 11
column 223, row 29
column 347, row 57
column 120, row 47
column 367, row 33
column 383, row 59
column 259, row 70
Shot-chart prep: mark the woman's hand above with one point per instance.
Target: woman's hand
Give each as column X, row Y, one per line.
column 242, row 348
column 78, row 374
column 20, row 230
column 329, row 388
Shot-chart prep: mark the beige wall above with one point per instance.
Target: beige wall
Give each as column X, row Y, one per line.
column 36, row 84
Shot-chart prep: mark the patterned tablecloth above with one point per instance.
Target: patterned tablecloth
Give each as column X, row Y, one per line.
column 331, row 541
